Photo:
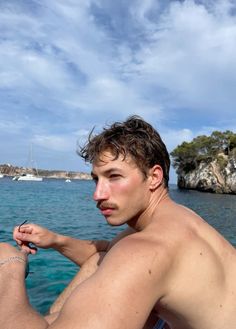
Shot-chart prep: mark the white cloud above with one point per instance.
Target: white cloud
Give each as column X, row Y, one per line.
column 56, row 142
column 13, row 126
column 192, row 56
column 67, row 66
column 173, row 138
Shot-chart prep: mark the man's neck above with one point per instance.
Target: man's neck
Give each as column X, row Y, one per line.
column 141, row 221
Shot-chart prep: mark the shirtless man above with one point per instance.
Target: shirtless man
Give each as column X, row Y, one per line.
column 174, row 263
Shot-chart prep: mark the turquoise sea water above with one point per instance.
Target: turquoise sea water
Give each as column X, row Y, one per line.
column 69, row 209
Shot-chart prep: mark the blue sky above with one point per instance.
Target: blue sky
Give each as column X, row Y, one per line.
column 66, row 66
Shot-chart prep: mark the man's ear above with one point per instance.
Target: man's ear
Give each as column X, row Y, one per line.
column 155, row 177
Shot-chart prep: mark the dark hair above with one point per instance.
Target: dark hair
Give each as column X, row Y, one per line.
column 133, row 137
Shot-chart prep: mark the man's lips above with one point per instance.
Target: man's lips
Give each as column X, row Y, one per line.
column 107, row 211
column 106, row 208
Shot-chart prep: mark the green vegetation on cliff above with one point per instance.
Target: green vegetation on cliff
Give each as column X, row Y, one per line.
column 219, row 145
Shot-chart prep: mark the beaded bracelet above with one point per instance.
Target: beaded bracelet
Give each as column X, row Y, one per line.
column 18, row 259
column 12, row 259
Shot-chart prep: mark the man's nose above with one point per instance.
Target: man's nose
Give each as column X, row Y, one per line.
column 101, row 192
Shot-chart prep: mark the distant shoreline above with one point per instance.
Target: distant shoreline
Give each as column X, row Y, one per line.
column 11, row 171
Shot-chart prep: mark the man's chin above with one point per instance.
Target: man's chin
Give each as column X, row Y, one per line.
column 114, row 221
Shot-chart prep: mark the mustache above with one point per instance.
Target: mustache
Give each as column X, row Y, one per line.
column 105, row 204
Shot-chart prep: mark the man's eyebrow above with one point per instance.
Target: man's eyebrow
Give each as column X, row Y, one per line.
column 111, row 170
column 107, row 172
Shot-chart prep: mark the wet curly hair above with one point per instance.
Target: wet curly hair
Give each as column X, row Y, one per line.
column 134, row 137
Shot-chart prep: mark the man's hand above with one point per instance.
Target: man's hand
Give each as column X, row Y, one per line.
column 37, row 235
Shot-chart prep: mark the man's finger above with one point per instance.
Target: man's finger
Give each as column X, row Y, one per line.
column 28, row 249
column 25, row 229
column 25, row 237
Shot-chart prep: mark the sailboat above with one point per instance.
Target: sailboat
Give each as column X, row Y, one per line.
column 29, row 176
column 68, row 178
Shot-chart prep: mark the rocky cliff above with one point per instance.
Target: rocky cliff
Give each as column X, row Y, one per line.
column 9, row 170
column 207, row 163
column 218, row 176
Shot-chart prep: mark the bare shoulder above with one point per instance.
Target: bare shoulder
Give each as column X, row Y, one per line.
column 125, row 286
column 143, row 254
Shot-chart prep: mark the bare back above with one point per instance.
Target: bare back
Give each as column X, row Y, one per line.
column 201, row 286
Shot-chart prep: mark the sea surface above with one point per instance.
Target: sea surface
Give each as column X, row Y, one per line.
column 68, row 209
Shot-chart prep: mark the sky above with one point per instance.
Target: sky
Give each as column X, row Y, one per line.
column 67, row 66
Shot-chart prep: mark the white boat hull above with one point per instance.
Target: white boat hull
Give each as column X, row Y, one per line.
column 28, row 177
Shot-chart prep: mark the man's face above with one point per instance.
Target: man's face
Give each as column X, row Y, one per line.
column 121, row 190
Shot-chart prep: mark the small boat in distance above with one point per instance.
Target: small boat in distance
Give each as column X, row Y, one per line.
column 67, row 178
column 1, row 175
column 32, row 174
column 28, row 177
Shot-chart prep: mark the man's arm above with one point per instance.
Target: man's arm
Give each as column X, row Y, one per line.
column 79, row 251
column 121, row 293
column 87, row 254
column 88, row 269
column 75, row 249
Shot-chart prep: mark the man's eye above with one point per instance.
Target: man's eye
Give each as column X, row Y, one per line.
column 114, row 176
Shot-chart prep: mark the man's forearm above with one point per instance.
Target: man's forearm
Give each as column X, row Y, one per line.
column 75, row 249
column 78, row 250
